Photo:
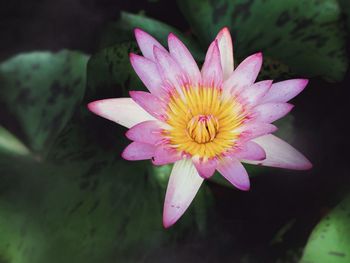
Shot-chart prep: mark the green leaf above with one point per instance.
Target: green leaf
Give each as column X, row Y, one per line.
column 305, row 35
column 9, row 144
column 330, row 240
column 122, row 30
column 109, row 73
column 345, row 7
column 40, row 91
column 82, row 204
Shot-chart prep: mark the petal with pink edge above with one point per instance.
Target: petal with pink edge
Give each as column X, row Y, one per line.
column 170, row 71
column 253, row 129
column 147, row 70
column 150, row 103
column 250, row 151
column 183, row 185
column 165, row 155
column 226, row 51
column 147, row 132
column 285, row 90
column 253, row 94
column 280, row 154
column 146, row 43
column 244, row 75
column 211, row 70
column 123, row 111
column 136, row 151
column 234, row 172
column 272, row 111
column 184, row 58
column 205, row 168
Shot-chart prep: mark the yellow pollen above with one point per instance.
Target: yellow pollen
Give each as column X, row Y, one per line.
column 202, row 122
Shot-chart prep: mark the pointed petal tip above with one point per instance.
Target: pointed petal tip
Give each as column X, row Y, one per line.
column 168, row 222
column 94, row 106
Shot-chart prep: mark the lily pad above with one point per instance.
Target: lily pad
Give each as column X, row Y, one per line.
column 82, row 204
column 110, row 73
column 40, row 91
column 305, row 35
column 330, row 240
column 9, row 144
column 123, row 30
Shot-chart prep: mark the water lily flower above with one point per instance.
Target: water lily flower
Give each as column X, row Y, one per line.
column 202, row 120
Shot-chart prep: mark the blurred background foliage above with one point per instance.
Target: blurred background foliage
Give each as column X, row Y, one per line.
column 67, row 196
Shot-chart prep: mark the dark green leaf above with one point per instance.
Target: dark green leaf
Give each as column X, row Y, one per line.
column 83, row 205
column 110, row 73
column 40, row 91
column 305, row 35
column 330, row 240
column 123, row 30
column 9, row 144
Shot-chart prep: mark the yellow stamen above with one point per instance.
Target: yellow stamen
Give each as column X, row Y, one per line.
column 202, row 121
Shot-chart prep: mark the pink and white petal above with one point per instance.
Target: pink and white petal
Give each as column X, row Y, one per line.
column 226, row 51
column 212, row 71
column 136, row 151
column 184, row 58
column 250, row 151
column 271, row 111
column 146, row 43
column 285, row 90
column 254, row 129
column 170, row 71
column 234, row 172
column 205, row 168
column 280, row 154
column 150, row 103
column 253, row 94
column 183, row 185
column 147, row 132
column 165, row 155
column 244, row 75
column 147, row 70
column 123, row 111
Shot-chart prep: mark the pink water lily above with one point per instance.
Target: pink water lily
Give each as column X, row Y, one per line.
column 202, row 120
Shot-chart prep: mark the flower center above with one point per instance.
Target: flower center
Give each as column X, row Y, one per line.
column 203, row 128
column 202, row 122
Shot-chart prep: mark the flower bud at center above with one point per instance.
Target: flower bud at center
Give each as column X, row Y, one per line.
column 203, row 128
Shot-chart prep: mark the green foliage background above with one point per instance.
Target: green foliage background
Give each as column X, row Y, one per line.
column 67, row 196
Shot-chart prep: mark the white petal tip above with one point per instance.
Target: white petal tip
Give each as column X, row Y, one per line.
column 94, row 106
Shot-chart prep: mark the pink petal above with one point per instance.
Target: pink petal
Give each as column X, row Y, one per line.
column 285, row 90
column 184, row 183
column 205, row 168
column 147, row 132
column 211, row 70
column 165, row 155
column 253, row 94
column 149, row 103
column 226, row 51
column 123, row 111
column 136, row 151
column 250, row 151
column 281, row 154
column 147, row 70
column 234, row 172
column 269, row 112
column 184, row 58
column 170, row 72
column 146, row 43
column 245, row 74
column 254, row 129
